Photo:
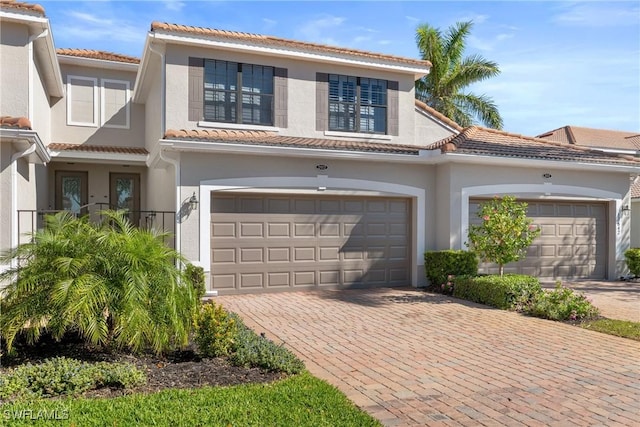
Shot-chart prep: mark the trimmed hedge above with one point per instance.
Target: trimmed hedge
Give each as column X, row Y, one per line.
column 196, row 276
column 633, row 261
column 510, row 292
column 439, row 265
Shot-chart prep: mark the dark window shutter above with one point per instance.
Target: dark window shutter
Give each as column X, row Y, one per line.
column 196, row 89
column 280, row 97
column 392, row 108
column 322, row 101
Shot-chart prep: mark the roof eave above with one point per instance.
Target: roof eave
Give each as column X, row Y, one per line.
column 208, row 41
column 270, row 150
column 539, row 163
column 99, row 157
column 25, row 139
column 97, row 63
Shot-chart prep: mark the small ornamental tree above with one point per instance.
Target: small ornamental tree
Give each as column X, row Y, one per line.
column 505, row 232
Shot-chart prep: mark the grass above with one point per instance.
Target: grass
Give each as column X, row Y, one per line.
column 300, row 400
column 620, row 328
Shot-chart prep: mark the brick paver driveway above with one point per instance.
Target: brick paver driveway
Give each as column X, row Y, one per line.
column 413, row 358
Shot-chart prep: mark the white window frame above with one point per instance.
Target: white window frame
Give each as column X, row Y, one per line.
column 70, row 122
column 103, row 120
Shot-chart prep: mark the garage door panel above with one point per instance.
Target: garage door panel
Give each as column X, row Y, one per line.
column 303, row 241
column 572, row 242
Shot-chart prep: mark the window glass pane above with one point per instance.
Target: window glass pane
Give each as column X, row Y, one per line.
column 342, row 116
column 124, row 193
column 220, row 84
column 71, row 193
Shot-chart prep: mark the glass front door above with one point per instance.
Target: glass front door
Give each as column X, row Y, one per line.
column 71, row 191
column 125, row 194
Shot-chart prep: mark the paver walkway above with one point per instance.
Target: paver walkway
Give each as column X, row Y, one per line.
column 414, row 358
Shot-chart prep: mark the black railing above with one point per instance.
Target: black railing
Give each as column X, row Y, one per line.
column 31, row 220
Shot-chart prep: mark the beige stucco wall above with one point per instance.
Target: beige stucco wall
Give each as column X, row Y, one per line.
column 199, row 167
column 41, row 120
column 61, row 132
column 564, row 184
column 428, row 130
column 153, row 111
column 301, row 89
column 5, row 196
column 14, row 70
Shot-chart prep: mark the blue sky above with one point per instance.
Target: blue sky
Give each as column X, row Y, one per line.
column 562, row 63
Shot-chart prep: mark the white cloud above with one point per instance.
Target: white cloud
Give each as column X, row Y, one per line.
column 412, row 19
column 476, row 18
column 320, row 29
column 269, row 23
column 174, row 5
column 598, row 15
column 85, row 26
column 384, row 42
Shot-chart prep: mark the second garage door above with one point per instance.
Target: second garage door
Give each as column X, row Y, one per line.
column 274, row 242
column 572, row 243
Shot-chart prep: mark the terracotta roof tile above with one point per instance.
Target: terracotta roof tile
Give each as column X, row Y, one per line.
column 15, row 122
column 281, row 42
column 275, row 140
column 438, row 115
column 490, row 142
column 56, row 146
column 23, row 7
column 98, row 54
column 588, row 137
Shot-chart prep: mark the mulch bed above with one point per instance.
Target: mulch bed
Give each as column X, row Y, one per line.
column 181, row 369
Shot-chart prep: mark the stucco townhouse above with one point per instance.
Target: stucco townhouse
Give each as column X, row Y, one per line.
column 280, row 164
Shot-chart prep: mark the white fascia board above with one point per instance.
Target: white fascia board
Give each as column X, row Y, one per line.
column 416, row 71
column 29, row 137
column 98, row 157
column 537, row 163
column 50, row 59
column 22, row 17
column 138, row 96
column 225, row 147
column 98, row 63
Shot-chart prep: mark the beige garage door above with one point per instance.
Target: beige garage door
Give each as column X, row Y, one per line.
column 274, row 242
column 572, row 243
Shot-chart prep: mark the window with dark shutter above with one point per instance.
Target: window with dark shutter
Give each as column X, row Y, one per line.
column 357, row 104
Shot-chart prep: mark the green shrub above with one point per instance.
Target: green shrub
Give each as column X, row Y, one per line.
column 633, row 261
column 510, row 292
column 215, row 332
column 257, row 351
column 61, row 376
column 117, row 285
column 195, row 275
column 562, row 304
column 439, row 265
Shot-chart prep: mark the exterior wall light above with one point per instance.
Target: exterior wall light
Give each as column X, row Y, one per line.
column 193, row 202
column 626, row 209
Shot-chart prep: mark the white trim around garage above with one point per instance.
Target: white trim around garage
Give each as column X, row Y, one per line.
column 555, row 193
column 294, row 185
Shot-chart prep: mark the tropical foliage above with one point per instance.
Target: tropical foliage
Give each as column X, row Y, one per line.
column 114, row 284
column 505, row 232
column 443, row 88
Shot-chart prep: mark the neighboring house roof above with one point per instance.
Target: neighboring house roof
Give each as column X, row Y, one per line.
column 56, row 146
column 15, row 122
column 438, row 115
column 22, row 7
column 476, row 140
column 635, row 190
column 280, row 42
column 589, row 137
column 273, row 139
column 98, row 54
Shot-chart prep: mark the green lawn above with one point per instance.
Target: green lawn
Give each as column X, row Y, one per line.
column 620, row 328
column 300, row 400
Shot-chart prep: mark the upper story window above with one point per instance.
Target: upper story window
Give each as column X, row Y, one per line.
column 357, row 104
column 91, row 105
column 238, row 93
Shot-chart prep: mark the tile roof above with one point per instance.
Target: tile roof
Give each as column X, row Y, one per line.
column 274, row 140
column 56, row 146
column 438, row 115
column 281, row 42
column 635, row 189
column 589, row 137
column 15, row 122
column 482, row 141
column 98, row 54
column 23, row 7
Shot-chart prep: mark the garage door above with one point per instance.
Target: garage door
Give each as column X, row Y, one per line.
column 572, row 243
column 273, row 242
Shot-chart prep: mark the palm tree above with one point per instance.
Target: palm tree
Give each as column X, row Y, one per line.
column 442, row 89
